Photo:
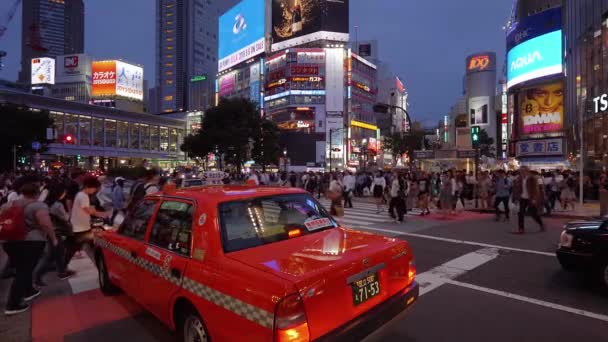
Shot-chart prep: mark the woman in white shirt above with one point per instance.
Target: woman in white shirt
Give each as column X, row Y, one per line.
column 379, row 184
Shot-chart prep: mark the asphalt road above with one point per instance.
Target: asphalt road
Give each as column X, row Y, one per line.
column 479, row 282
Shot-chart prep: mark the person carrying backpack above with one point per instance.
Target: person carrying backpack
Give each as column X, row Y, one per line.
column 148, row 186
column 31, row 217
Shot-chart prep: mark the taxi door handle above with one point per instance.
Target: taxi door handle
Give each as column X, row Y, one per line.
column 176, row 273
column 133, row 254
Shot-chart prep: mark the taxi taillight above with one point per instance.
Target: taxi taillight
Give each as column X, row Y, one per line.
column 411, row 272
column 294, row 233
column 290, row 322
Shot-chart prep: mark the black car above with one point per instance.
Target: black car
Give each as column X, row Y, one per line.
column 583, row 246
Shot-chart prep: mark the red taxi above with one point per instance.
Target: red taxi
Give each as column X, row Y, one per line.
column 231, row 263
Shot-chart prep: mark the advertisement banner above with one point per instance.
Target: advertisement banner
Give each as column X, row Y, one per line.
column 43, row 71
column 292, row 20
column 227, row 84
column 535, row 58
column 481, row 62
column 479, row 110
column 241, row 33
column 334, row 80
column 544, row 147
column 542, row 109
column 534, row 26
column 129, row 81
column 73, row 68
column 104, row 78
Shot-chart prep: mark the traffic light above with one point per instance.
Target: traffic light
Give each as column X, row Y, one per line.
column 475, row 136
column 68, row 139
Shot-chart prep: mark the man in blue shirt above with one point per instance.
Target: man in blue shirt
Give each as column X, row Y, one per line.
column 503, row 191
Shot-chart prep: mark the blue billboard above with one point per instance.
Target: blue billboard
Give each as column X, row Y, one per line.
column 241, row 33
column 535, row 58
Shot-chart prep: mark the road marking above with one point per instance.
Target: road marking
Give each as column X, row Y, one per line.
column 85, row 278
column 462, row 242
column 454, row 268
column 531, row 300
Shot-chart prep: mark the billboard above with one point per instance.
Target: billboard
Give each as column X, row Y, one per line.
column 117, row 78
column 73, row 68
column 43, row 71
column 297, row 21
column 542, row 109
column 227, row 84
column 534, row 47
column 479, row 110
column 241, row 33
column 543, row 147
column 481, row 62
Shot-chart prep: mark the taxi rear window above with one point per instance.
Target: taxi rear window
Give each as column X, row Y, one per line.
column 260, row 221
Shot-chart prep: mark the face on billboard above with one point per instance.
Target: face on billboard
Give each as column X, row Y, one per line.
column 43, row 71
column 241, row 33
column 104, row 78
column 542, row 109
column 129, row 81
column 296, row 18
column 535, row 58
column 479, row 110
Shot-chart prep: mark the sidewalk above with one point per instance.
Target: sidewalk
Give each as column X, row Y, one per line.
column 588, row 210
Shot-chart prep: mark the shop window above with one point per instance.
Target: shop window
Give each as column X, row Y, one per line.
column 71, row 125
column 57, row 122
column 134, row 135
column 173, row 140
column 164, row 138
column 85, row 130
column 110, row 133
column 97, row 132
column 123, row 134
column 154, row 138
column 145, row 137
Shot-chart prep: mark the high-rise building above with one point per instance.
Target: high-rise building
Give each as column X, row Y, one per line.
column 50, row 28
column 186, row 50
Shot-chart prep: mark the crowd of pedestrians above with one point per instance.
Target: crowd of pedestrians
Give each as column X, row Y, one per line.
column 59, row 213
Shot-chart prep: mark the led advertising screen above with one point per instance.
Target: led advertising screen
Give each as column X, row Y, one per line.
column 297, row 20
column 485, row 61
column 129, row 81
column 479, row 110
column 241, row 33
column 116, row 78
column 542, row 109
column 43, row 71
column 104, row 78
column 534, row 47
column 535, row 58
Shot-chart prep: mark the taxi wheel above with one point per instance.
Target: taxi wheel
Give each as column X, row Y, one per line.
column 105, row 284
column 193, row 329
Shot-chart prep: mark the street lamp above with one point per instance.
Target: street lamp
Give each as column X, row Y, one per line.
column 384, row 107
column 285, row 158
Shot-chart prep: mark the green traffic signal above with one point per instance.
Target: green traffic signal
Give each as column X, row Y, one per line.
column 475, row 135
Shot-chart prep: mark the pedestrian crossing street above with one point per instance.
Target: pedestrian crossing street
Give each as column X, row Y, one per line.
column 366, row 214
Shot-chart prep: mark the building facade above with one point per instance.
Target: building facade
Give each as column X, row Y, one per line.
column 186, row 50
column 538, row 124
column 50, row 29
column 104, row 136
column 586, row 102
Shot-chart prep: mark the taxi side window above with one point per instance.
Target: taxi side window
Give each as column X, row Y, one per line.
column 135, row 225
column 172, row 227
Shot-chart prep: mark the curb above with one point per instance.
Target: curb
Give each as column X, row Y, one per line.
column 553, row 215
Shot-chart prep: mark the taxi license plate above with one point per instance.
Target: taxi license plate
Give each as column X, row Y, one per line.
column 365, row 289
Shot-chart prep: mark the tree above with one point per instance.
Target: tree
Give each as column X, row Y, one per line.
column 228, row 130
column 399, row 143
column 486, row 145
column 266, row 145
column 20, row 127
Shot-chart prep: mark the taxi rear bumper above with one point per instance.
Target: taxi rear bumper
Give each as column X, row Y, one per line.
column 360, row 327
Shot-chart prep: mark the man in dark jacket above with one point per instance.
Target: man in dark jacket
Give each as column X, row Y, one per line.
column 527, row 193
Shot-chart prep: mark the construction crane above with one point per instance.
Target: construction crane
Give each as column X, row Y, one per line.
column 4, row 21
column 8, row 17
